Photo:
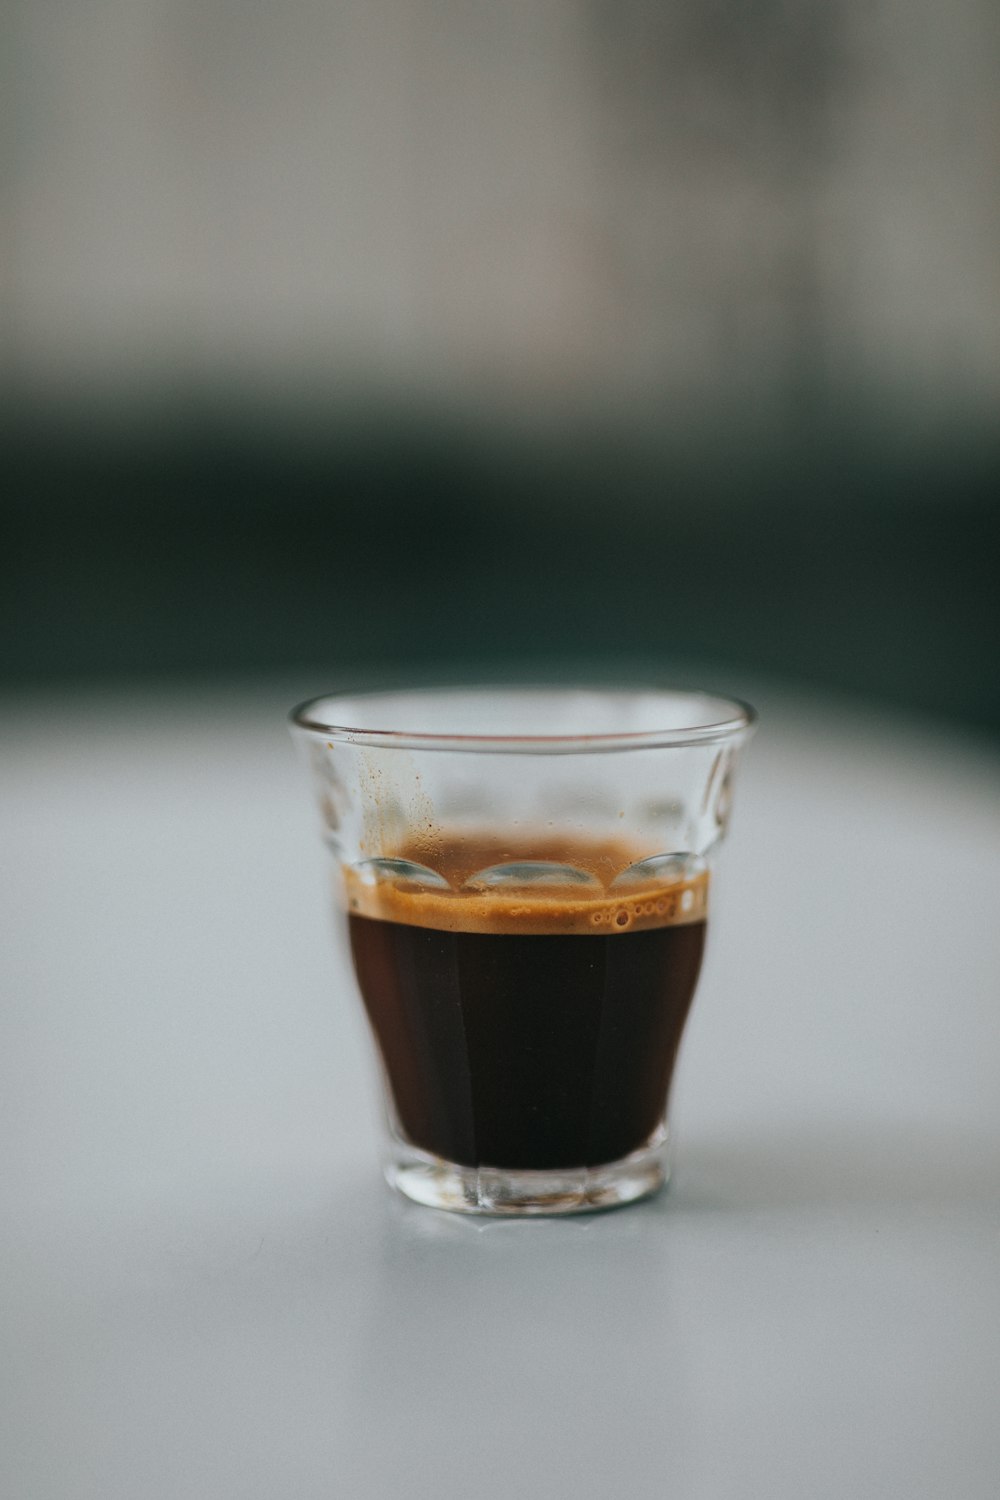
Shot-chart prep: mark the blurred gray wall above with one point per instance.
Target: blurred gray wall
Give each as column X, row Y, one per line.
column 422, row 336
column 546, row 208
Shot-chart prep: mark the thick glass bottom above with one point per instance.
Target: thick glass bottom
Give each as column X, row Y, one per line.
column 498, row 1190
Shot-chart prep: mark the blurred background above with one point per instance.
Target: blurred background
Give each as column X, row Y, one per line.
column 372, row 338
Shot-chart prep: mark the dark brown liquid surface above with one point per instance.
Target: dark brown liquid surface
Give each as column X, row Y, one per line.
column 529, row 1049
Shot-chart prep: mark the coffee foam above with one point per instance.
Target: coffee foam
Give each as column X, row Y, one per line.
column 464, row 905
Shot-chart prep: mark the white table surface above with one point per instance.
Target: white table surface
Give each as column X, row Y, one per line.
column 209, row 1292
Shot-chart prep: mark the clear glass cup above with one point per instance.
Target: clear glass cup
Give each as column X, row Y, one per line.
column 522, row 877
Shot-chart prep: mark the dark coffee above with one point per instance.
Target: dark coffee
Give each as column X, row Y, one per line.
column 529, row 1031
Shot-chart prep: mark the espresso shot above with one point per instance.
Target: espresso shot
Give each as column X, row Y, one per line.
column 522, row 877
column 528, row 1005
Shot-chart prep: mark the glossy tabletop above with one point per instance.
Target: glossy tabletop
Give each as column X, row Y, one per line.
column 208, row 1292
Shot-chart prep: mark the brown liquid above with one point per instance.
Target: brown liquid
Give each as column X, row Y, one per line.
column 528, row 1029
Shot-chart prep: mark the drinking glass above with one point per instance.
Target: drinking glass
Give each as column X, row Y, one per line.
column 522, row 877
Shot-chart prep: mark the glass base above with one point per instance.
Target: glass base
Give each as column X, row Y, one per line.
column 499, row 1190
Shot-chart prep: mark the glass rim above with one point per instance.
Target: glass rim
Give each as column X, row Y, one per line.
column 739, row 723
